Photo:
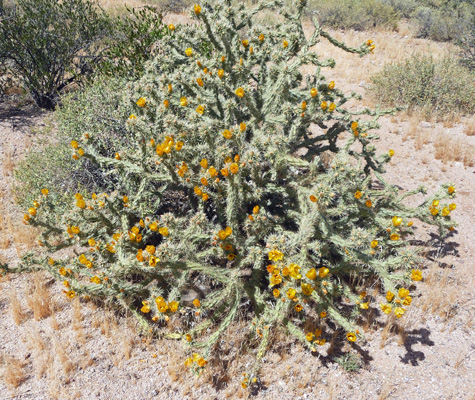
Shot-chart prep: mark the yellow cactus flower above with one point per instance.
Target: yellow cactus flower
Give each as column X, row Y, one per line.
column 166, row 103
column 171, row 27
column 189, row 51
column 312, row 274
column 307, row 289
column 323, row 105
column 331, row 85
column 163, row 231
column 298, row 307
column 234, row 168
column 183, row 101
column 153, row 260
column 323, row 314
column 199, row 81
column 240, row 92
column 276, row 293
column 227, row 134
column 141, row 102
column 204, row 163
column 389, row 295
column 396, row 221
column 368, row 203
column 285, row 44
column 197, row 9
column 313, row 198
column 291, row 293
column 358, row 195
column 74, row 144
column 220, row 73
column 275, row 255
column 416, row 275
column 197, row 303
column 323, row 272
column 451, row 189
column 407, row 301
column 364, row 306
column 351, row 337
column 146, row 307
column 403, row 293
column 332, row 107
column 445, row 212
column 394, row 236
column 309, row 336
column 44, row 192
column 96, row 280
column 452, row 206
column 391, row 153
column 386, row 308
column 200, row 109
column 434, row 211
column 313, row 92
column 261, row 37
column 399, row 311
column 173, row 306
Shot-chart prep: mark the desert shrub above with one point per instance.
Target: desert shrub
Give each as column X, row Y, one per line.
column 404, row 8
column 467, row 44
column 225, row 200
column 445, row 21
column 438, row 86
column 355, row 14
column 47, row 43
column 98, row 107
column 135, row 40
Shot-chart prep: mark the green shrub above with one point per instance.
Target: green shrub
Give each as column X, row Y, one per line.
column 134, row 41
column 355, row 14
column 48, row 43
column 439, row 87
column 212, row 209
column 97, row 108
column 467, row 44
column 447, row 21
column 404, row 8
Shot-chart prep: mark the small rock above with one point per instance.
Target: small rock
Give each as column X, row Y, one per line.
column 362, row 84
column 426, row 124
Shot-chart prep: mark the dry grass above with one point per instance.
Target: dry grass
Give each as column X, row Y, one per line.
column 470, row 127
column 61, row 352
column 18, row 314
column 7, row 162
column 448, row 149
column 13, row 372
column 39, row 299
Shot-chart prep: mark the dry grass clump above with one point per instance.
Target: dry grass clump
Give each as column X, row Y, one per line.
column 18, row 314
column 7, row 162
column 13, row 373
column 39, row 299
column 470, row 127
column 448, row 149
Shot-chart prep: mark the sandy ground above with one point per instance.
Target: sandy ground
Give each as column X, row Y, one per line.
column 80, row 351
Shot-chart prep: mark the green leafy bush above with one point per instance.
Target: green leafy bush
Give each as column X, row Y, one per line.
column 440, row 87
column 355, row 14
column 447, row 20
column 467, row 44
column 135, row 40
column 100, row 108
column 224, row 200
column 48, row 43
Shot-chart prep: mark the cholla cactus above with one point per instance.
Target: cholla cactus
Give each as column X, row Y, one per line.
column 226, row 196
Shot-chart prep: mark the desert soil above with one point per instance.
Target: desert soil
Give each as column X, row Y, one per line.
column 81, row 351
